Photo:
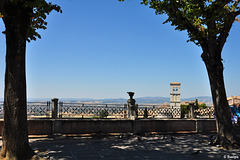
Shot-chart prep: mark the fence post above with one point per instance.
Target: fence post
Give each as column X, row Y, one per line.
column 191, row 111
column 55, row 108
column 48, row 110
column 125, row 111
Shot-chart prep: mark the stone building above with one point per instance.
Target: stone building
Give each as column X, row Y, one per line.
column 188, row 102
column 175, row 93
column 165, row 105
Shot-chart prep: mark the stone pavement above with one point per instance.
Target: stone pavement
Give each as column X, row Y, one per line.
column 131, row 147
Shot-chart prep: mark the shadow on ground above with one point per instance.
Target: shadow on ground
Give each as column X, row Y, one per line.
column 123, row 147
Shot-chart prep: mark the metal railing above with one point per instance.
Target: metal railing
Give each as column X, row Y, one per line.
column 158, row 111
column 34, row 110
column 117, row 111
column 204, row 113
column 83, row 110
column 39, row 109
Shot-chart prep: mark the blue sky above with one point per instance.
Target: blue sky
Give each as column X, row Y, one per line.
column 103, row 49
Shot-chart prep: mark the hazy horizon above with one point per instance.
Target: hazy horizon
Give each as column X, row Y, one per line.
column 139, row 100
column 82, row 98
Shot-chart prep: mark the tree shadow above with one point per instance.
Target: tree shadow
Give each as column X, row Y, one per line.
column 182, row 146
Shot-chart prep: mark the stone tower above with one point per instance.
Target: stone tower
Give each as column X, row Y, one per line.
column 175, row 95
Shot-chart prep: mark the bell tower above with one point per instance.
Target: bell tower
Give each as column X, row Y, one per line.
column 175, row 95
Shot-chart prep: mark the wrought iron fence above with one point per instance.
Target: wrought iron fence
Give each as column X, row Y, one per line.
column 158, row 111
column 39, row 109
column 34, row 110
column 84, row 110
column 81, row 110
column 204, row 113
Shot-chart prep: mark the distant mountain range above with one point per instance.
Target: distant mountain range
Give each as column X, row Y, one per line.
column 206, row 99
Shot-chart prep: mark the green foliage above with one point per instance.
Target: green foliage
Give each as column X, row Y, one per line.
column 103, row 113
column 196, row 104
column 95, row 117
column 203, row 106
column 37, row 11
column 184, row 110
column 41, row 9
column 145, row 115
column 201, row 18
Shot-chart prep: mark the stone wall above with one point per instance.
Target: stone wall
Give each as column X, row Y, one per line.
column 84, row 126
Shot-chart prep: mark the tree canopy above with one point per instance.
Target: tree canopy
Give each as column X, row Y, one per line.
column 203, row 20
column 38, row 11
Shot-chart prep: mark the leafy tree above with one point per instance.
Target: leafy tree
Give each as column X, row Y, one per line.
column 184, row 110
column 203, row 106
column 208, row 23
column 21, row 18
column 196, row 104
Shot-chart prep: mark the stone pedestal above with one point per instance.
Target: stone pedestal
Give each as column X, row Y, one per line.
column 125, row 111
column 132, row 107
column 191, row 111
column 55, row 108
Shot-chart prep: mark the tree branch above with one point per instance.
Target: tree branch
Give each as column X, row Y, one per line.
column 237, row 13
column 236, row 3
column 198, row 32
column 228, row 21
column 222, row 3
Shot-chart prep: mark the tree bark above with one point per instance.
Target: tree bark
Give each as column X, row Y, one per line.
column 15, row 132
column 226, row 136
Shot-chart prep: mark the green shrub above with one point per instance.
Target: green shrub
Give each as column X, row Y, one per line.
column 184, row 110
column 103, row 113
column 203, row 106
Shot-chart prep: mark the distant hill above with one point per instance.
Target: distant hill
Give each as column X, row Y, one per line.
column 153, row 100
column 206, row 99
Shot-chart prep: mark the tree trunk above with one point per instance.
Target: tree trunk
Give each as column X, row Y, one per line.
column 225, row 131
column 15, row 132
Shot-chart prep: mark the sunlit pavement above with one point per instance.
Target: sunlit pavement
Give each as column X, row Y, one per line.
column 128, row 147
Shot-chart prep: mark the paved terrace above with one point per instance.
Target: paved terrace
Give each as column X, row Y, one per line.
column 131, row 147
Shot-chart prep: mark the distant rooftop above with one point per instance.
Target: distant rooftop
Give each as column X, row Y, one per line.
column 175, row 83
